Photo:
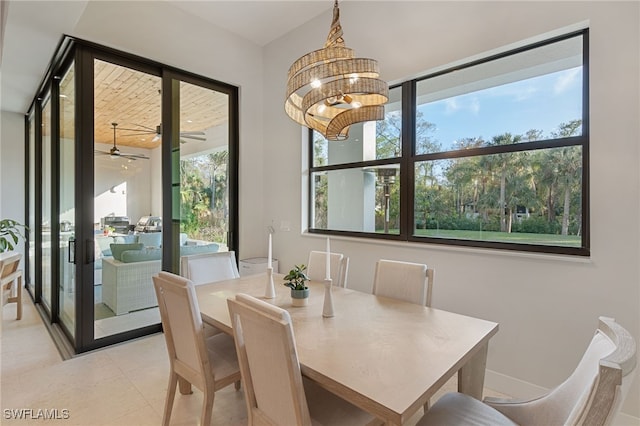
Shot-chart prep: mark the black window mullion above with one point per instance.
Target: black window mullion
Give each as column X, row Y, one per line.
column 586, row 234
column 407, row 169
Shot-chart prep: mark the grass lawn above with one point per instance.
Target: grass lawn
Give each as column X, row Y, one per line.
column 504, row 237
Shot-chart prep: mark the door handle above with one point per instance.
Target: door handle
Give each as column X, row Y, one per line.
column 71, row 255
column 90, row 253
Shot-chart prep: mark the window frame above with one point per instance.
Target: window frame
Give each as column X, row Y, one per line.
column 408, row 160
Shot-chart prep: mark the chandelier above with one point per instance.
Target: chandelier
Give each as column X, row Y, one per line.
column 329, row 89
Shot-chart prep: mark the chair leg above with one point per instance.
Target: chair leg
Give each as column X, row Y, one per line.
column 207, row 407
column 19, row 298
column 426, row 406
column 171, row 394
column 185, row 386
column 237, row 385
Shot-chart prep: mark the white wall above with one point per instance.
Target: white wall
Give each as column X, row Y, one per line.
column 12, row 168
column 547, row 306
column 142, row 181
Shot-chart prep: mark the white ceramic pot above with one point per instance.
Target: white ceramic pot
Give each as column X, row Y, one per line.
column 299, row 297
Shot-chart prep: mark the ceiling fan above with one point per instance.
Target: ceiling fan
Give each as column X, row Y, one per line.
column 145, row 130
column 115, row 152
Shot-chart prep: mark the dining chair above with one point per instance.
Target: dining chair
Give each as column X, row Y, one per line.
column 406, row 281
column 209, row 364
column 11, row 280
column 275, row 391
column 339, row 265
column 209, row 267
column 592, row 395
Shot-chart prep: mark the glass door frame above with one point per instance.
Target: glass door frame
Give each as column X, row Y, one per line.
column 171, row 156
column 86, row 55
column 81, row 54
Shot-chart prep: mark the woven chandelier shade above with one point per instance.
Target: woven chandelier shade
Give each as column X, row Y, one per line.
column 329, row 89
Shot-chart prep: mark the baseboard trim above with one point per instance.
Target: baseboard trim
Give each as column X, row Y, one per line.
column 520, row 389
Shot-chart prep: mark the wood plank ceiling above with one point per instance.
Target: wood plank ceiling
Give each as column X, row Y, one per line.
column 131, row 99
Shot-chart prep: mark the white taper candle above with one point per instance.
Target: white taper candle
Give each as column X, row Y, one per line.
column 269, row 258
column 328, row 267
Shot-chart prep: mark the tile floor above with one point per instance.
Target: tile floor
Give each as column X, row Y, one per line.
column 122, row 385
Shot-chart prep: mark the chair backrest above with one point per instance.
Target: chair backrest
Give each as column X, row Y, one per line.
column 598, row 385
column 592, row 395
column 616, row 373
column 317, row 266
column 406, row 281
column 183, row 328
column 209, row 267
column 268, row 362
column 9, row 262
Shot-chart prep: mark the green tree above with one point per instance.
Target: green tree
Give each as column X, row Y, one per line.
column 204, row 196
column 507, row 162
column 569, row 167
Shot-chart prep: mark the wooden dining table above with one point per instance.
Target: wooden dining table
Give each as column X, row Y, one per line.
column 385, row 356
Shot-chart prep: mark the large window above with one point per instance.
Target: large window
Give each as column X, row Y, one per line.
column 492, row 153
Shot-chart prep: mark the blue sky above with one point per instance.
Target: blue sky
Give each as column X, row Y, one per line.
column 538, row 103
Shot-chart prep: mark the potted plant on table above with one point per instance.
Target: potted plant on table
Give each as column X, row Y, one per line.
column 295, row 280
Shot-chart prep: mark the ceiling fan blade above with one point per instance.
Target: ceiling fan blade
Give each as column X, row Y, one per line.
column 134, row 156
column 140, row 128
column 197, row 138
column 138, row 133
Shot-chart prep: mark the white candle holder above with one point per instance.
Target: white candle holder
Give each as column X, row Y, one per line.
column 327, row 308
column 270, row 291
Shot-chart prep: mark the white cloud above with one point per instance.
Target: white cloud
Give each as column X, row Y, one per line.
column 474, row 105
column 451, row 105
column 566, row 80
column 461, row 103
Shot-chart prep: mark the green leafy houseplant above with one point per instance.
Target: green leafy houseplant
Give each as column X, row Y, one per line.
column 296, row 278
column 10, row 234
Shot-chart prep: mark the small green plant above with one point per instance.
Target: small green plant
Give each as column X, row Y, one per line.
column 10, row 234
column 296, row 277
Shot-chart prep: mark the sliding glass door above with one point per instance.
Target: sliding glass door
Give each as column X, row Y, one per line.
column 48, row 242
column 205, row 167
column 132, row 165
column 66, row 212
column 127, row 198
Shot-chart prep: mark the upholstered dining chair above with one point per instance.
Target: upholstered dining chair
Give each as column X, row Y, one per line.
column 209, row 267
column 208, row 364
column 275, row 391
column 592, row 395
column 339, row 265
column 11, row 280
column 406, row 281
